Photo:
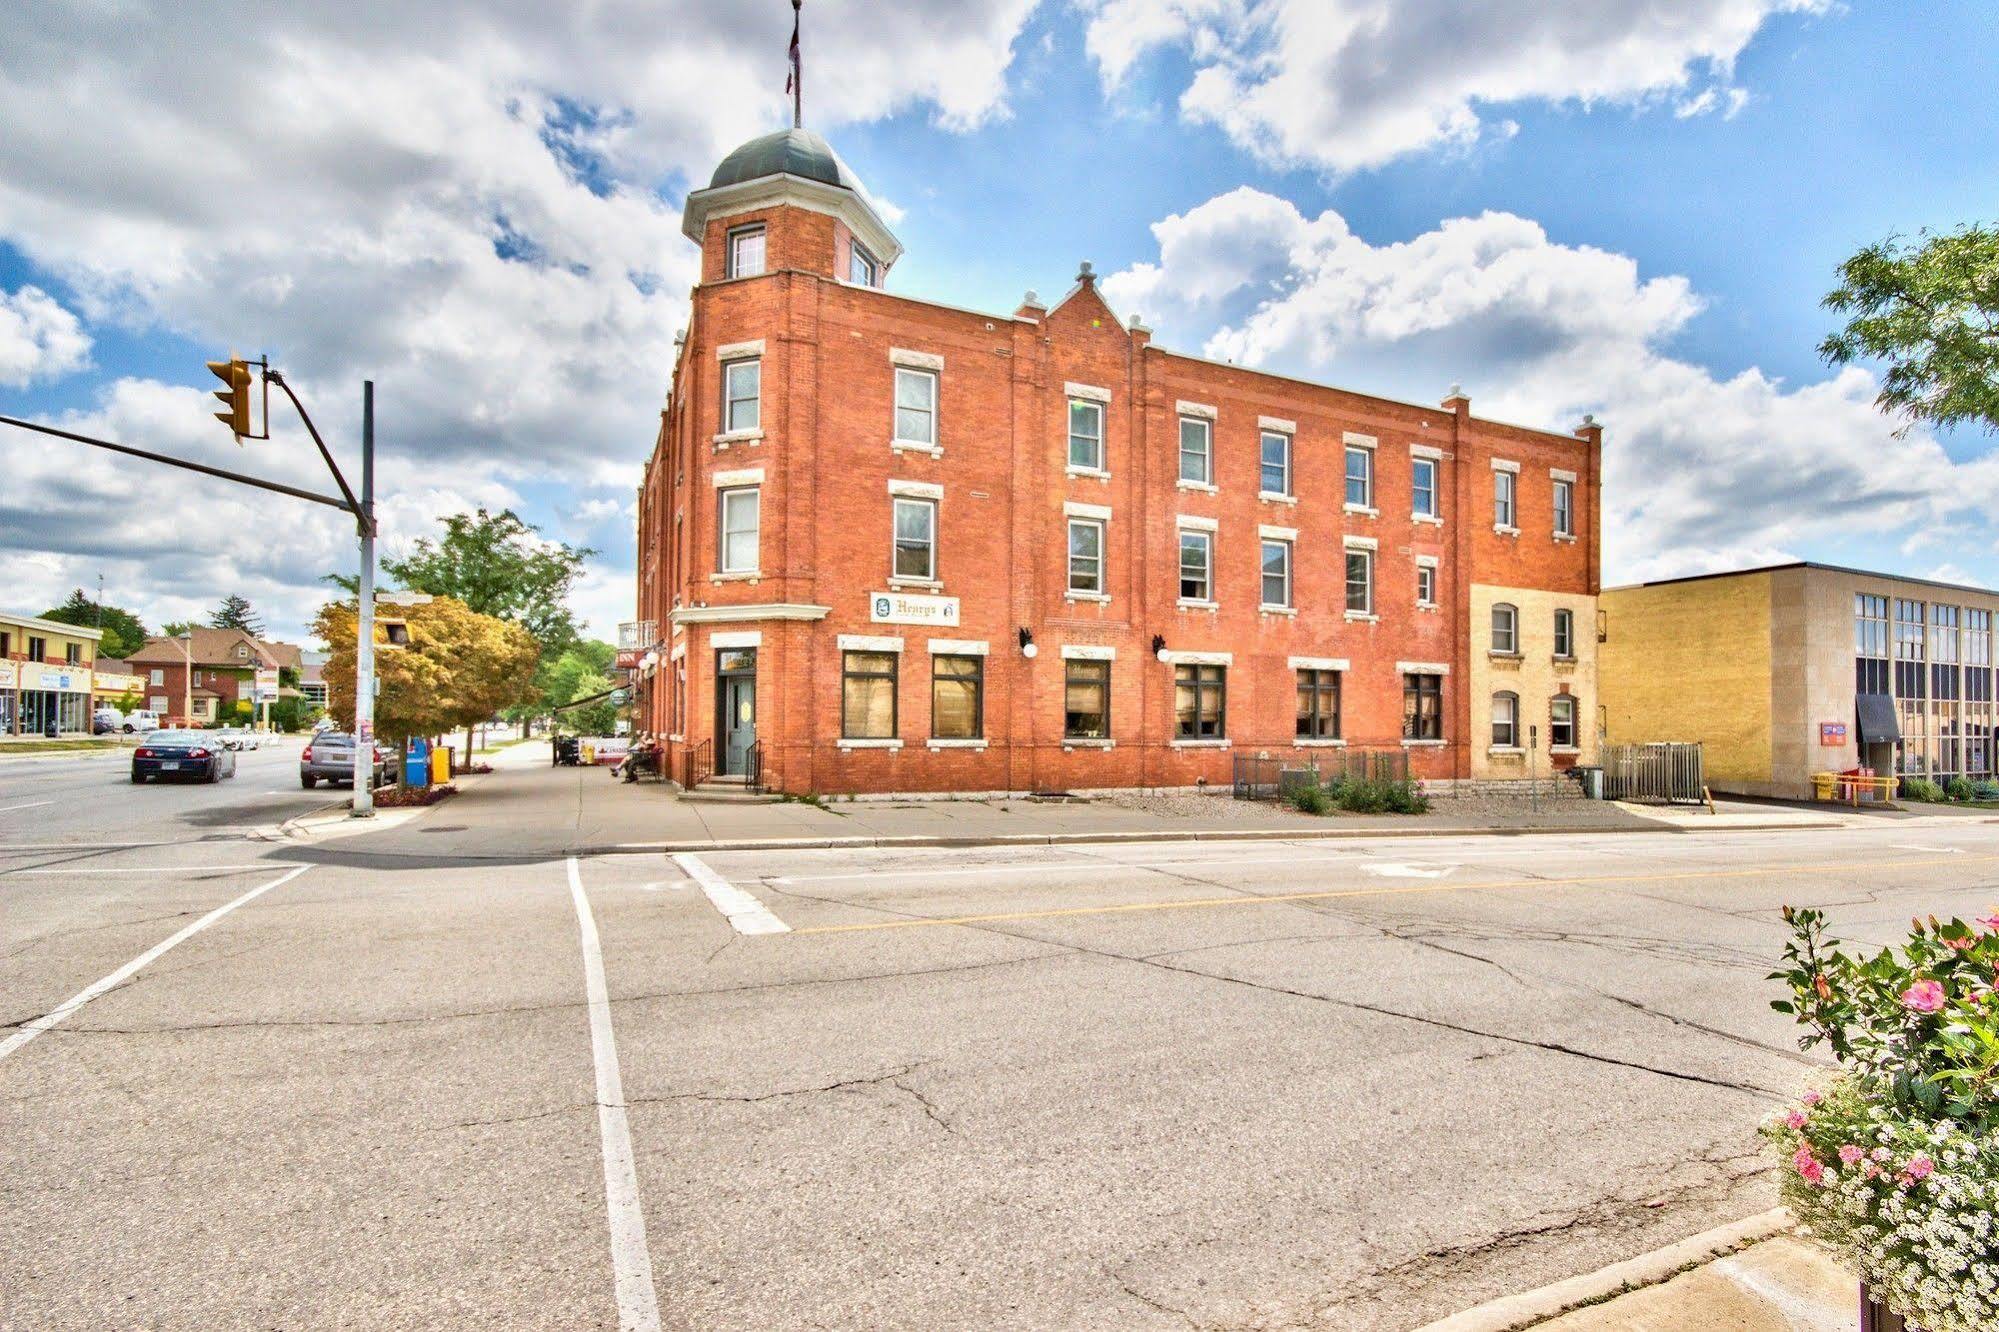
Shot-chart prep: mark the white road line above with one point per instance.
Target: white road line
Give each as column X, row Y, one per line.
column 1935, row 850
column 32, row 804
column 740, row 909
column 35, row 1027
column 141, row 869
column 631, row 1261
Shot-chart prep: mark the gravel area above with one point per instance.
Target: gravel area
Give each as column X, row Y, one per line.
column 1217, row 807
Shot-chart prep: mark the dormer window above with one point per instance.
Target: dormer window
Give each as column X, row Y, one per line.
column 746, row 251
column 862, row 270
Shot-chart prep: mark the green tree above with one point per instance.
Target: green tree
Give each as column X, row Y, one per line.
column 497, row 564
column 175, row 628
column 124, row 633
column 581, row 672
column 1930, row 311
column 236, row 613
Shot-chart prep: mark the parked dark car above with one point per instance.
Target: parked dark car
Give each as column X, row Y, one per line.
column 186, row 755
column 330, row 758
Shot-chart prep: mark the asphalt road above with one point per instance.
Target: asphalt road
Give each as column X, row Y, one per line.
column 90, row 798
column 1354, row 1085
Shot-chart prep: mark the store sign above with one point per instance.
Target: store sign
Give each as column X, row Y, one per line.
column 59, row 679
column 267, row 685
column 902, row 608
column 629, row 658
column 1832, row 734
column 10, row 675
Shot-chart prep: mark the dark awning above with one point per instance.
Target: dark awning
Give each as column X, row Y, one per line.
column 1877, row 719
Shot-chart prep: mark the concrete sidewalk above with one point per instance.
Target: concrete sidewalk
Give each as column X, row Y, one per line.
column 1750, row 1276
column 527, row 806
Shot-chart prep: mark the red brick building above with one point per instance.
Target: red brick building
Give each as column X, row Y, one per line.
column 893, row 545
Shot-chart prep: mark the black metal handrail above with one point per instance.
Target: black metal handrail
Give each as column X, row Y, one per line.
column 700, row 763
column 753, row 768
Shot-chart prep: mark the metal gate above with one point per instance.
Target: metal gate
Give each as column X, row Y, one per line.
column 1659, row 774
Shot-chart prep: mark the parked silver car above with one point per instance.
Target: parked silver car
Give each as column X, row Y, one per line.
column 330, row 758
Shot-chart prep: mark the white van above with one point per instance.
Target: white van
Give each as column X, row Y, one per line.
column 141, row 720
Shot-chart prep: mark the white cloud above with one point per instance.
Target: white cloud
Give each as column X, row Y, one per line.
column 1701, row 472
column 1349, row 84
column 474, row 208
column 38, row 338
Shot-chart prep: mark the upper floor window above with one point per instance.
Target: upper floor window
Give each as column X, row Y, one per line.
column 1196, row 565
column 1561, row 722
column 72, row 654
column 1565, row 633
column 1360, row 477
column 1505, row 721
column 1505, row 628
column 1423, row 488
column 1422, row 707
column 862, row 270
column 1200, row 694
column 1086, row 555
column 1197, row 449
column 1943, row 633
column 1565, row 508
column 740, row 521
column 1870, row 625
column 6, row 644
column 916, row 406
column 159, row 676
column 1086, row 434
column 1277, row 573
column 1908, row 630
column 1360, row 581
column 916, row 539
column 742, row 394
column 746, row 251
column 1505, row 485
column 1274, row 477
column 38, row 648
column 1426, row 585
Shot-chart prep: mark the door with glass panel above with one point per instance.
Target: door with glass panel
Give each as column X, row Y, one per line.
column 736, row 708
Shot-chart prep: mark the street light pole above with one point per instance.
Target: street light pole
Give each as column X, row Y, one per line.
column 186, row 641
column 364, row 633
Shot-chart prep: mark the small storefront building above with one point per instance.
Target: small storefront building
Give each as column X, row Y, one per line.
column 46, row 676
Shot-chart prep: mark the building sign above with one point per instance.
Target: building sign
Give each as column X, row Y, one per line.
column 10, row 675
column 902, row 608
column 113, row 686
column 637, row 635
column 267, row 684
column 59, row 679
column 629, row 658
column 1832, row 734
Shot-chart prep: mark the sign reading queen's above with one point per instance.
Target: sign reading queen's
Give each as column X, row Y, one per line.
column 903, row 608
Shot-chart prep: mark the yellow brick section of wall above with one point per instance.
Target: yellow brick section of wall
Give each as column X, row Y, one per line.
column 1691, row 661
column 1535, row 676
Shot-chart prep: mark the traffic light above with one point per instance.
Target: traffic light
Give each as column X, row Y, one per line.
column 235, row 375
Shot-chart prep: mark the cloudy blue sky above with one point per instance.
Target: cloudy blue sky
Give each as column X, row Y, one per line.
column 1626, row 207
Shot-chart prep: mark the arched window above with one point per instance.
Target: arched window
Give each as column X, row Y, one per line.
column 1505, row 628
column 1506, row 721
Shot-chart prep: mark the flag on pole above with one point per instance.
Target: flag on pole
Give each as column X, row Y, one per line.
column 795, row 80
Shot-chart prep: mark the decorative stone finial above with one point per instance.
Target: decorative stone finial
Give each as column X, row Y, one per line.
column 1589, row 420
column 1032, row 298
column 1087, row 273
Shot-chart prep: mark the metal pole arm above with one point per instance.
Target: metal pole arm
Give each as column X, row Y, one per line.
column 182, row 463
column 353, row 505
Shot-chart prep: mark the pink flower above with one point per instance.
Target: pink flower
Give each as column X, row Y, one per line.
column 1872, row 1170
column 1925, row 996
column 1812, row 1098
column 1850, row 1155
column 1796, row 1119
column 1920, row 1167
column 1881, row 1154
column 1963, row 945
column 1808, row 1166
column 1990, row 922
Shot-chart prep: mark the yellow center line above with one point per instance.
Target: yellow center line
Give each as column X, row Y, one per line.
column 1193, row 904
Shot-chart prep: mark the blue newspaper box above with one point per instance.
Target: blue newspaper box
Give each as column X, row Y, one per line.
column 416, row 763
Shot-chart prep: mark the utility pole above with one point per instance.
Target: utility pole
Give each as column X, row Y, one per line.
column 364, row 634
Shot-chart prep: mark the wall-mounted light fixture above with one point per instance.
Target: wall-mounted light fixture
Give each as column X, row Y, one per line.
column 1027, row 648
column 1159, row 646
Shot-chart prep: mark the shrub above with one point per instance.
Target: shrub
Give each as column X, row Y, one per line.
column 1921, row 788
column 1985, row 791
column 1310, row 800
column 1373, row 795
column 1958, row 788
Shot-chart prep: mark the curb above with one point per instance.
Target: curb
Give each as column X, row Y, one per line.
column 1511, row 1312
column 1198, row 835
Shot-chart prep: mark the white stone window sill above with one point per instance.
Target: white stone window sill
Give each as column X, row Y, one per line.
column 1564, row 659
column 1364, row 510
column 1076, row 742
column 1101, row 598
column 1273, row 497
column 1196, row 603
column 741, row 576
column 925, row 584
column 1563, row 751
column 1206, row 488
column 728, row 437
column 1430, row 606
column 1362, row 617
column 1200, row 744
column 1268, row 609
column 935, row 743
column 677, row 739
column 916, row 446
column 1505, row 751
column 1566, row 538
column 845, row 743
column 1097, row 472
column 1422, row 744
column 1319, row 742
column 1434, row 520
column 1498, row 655
column 1506, row 531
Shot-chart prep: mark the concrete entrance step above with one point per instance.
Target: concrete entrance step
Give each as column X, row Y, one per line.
column 726, row 791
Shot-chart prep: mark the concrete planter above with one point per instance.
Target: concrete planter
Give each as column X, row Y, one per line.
column 1878, row 1317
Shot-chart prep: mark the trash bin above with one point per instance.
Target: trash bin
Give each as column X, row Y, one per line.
column 416, row 763
column 441, row 764
column 1591, row 780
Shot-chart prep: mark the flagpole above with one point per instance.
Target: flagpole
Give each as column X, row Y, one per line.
column 797, row 70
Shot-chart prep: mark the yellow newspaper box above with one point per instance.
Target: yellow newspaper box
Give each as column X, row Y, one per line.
column 440, row 765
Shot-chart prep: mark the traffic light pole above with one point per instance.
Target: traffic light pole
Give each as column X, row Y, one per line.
column 364, row 633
